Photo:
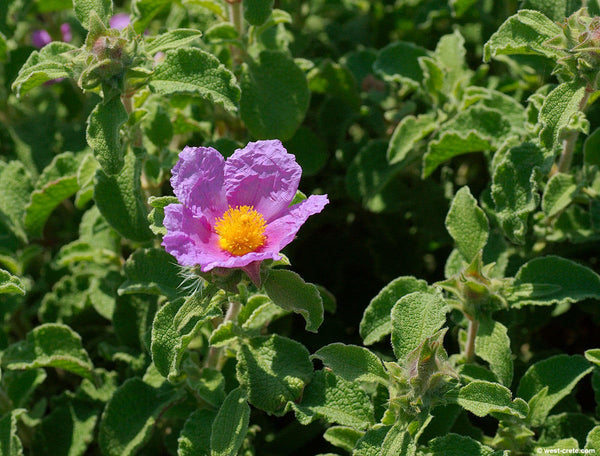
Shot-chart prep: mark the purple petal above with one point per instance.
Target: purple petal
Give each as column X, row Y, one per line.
column 281, row 232
column 40, row 38
column 197, row 181
column 119, row 21
column 262, row 175
column 65, row 30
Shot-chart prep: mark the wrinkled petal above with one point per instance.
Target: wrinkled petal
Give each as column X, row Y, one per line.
column 282, row 231
column 119, row 21
column 262, row 175
column 197, row 181
column 40, row 38
column 65, row 31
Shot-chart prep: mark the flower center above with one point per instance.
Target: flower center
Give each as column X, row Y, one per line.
column 241, row 230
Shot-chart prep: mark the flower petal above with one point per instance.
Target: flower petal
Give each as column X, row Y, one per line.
column 281, row 232
column 197, row 181
column 262, row 175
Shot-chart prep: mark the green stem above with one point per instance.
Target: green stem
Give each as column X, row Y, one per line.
column 236, row 16
column 566, row 156
column 471, row 335
column 215, row 354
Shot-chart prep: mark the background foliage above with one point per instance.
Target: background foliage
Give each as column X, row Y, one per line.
column 458, row 143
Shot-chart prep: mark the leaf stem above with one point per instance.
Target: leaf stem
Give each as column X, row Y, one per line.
column 566, row 156
column 471, row 335
column 235, row 16
column 215, row 354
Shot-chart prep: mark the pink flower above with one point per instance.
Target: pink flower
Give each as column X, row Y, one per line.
column 235, row 213
column 40, row 38
column 65, row 30
column 119, row 21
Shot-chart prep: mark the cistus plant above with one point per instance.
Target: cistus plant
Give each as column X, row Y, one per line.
column 278, row 228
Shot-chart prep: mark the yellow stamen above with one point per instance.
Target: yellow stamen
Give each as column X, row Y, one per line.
column 241, row 230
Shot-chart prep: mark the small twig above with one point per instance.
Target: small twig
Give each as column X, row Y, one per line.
column 471, row 335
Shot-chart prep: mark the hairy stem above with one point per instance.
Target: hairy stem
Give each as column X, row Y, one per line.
column 215, row 354
column 471, row 335
column 566, row 156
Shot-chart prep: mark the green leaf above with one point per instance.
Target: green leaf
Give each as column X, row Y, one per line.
column 376, row 322
column 591, row 148
column 50, row 62
column 514, row 189
column 275, row 96
column 335, row 80
column 67, row 430
column 170, row 340
column 343, row 437
column 414, row 318
column 290, row 292
column 459, row 445
column 195, row 72
column 549, row 280
column 172, row 39
column 558, row 110
column 83, row 9
column 557, row 10
column 102, row 134
column 15, row 191
column 57, row 182
column 370, row 443
column 196, row 434
column 407, row 135
column 558, row 194
column 256, row 12
column 548, row 381
column 593, row 356
column 10, row 283
column 146, row 10
column 352, row 363
column 482, row 398
column 230, row 425
column 593, row 439
column 210, row 386
column 400, row 62
column 157, row 214
column 567, row 424
column 271, row 381
column 524, row 33
column 130, row 416
column 309, row 149
column 50, row 345
column 19, row 385
column 492, row 344
column 467, row 224
column 120, row 200
column 399, row 441
column 10, row 444
column 330, row 397
column 152, row 271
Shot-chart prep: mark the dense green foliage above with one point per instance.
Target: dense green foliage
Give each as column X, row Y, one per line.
column 445, row 302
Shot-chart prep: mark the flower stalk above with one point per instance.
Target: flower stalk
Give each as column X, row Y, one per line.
column 471, row 336
column 566, row 156
column 215, row 354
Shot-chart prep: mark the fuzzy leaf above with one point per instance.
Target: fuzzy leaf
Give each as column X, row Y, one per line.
column 549, row 280
column 195, row 72
column 352, row 363
column 256, row 12
column 343, row 437
column 548, row 381
column 102, row 134
column 467, row 224
column 414, row 318
column 83, row 9
column 120, row 200
column 459, row 445
column 57, row 182
column 399, row 441
column 290, row 292
column 337, row 401
column 275, row 96
column 273, row 370
column 370, row 443
column 49, row 345
column 407, row 135
column 15, row 191
column 130, row 415
column 558, row 194
column 376, row 322
column 152, row 271
column 482, row 398
column 196, row 433
column 10, row 443
column 230, row 425
column 558, row 110
column 492, row 344
column 172, row 39
column 400, row 62
column 524, row 33
column 514, row 189
column 10, row 283
column 146, row 11
column 593, row 439
column 157, row 214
